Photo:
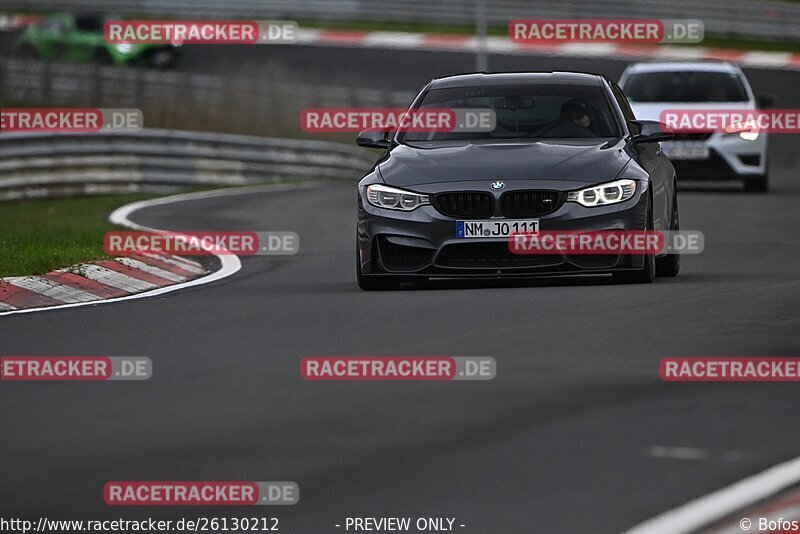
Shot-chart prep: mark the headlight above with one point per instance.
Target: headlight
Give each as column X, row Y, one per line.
column 748, row 132
column 602, row 195
column 383, row 196
column 747, row 135
column 125, row 48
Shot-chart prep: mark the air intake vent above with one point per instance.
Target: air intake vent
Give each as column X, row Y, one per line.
column 515, row 204
column 465, row 205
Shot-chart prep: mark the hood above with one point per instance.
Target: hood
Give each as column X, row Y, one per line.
column 552, row 160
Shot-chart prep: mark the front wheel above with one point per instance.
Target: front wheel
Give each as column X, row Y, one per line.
column 670, row 265
column 28, row 51
column 103, row 57
column 757, row 184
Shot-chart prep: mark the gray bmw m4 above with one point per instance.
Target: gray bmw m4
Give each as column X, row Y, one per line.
column 564, row 153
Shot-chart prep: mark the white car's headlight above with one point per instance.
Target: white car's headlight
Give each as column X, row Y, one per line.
column 748, row 132
column 383, row 196
column 605, row 194
column 747, row 135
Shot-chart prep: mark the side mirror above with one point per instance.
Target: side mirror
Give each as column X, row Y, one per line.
column 765, row 101
column 372, row 139
column 652, row 132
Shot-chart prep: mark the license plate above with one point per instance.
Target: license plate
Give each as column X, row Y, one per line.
column 495, row 228
column 686, row 150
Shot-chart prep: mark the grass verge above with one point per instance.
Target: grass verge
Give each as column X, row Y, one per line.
column 37, row 236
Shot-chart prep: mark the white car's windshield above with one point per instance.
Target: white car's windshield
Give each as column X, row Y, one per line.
column 685, row 86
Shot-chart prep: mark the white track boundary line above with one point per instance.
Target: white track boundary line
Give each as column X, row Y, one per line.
column 231, row 264
column 719, row 504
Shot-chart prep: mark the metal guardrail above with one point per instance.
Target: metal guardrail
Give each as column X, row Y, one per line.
column 255, row 102
column 45, row 165
column 752, row 18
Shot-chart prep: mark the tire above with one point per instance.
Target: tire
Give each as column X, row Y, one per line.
column 368, row 282
column 757, row 184
column 670, row 265
column 28, row 51
column 647, row 273
column 103, row 57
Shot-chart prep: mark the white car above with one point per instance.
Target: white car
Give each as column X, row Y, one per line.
column 655, row 87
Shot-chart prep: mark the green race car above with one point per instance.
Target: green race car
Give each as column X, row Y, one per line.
column 79, row 38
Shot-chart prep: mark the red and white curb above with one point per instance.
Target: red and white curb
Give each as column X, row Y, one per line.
column 504, row 46
column 16, row 22
column 90, row 282
column 135, row 277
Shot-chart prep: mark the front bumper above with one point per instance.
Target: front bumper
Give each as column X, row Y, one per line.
column 730, row 158
column 423, row 243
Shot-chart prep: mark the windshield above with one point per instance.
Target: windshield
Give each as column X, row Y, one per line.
column 685, row 86
column 526, row 111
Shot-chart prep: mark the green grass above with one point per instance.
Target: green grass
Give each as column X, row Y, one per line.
column 37, row 236
column 712, row 41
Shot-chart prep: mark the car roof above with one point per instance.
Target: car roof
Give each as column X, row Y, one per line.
column 684, row 66
column 512, row 78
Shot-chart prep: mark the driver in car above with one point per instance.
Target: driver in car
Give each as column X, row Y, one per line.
column 575, row 111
